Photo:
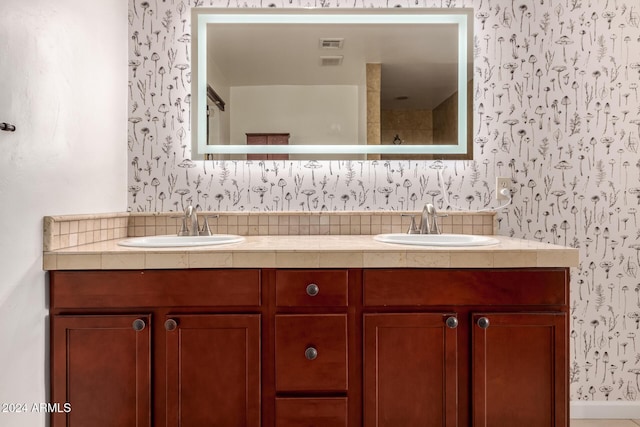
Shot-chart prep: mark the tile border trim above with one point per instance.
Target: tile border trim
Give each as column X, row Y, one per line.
column 66, row 231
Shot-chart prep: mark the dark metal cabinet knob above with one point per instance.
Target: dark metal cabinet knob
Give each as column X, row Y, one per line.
column 452, row 322
column 170, row 325
column 313, row 290
column 311, row 353
column 483, row 322
column 138, row 325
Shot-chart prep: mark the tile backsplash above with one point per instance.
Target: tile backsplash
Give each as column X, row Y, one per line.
column 68, row 231
column 74, row 230
column 291, row 223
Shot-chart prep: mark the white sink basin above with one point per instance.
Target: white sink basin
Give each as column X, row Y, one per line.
column 173, row 241
column 457, row 240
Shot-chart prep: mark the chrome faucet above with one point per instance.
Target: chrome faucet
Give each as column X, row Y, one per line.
column 413, row 228
column 191, row 214
column 428, row 223
column 191, row 217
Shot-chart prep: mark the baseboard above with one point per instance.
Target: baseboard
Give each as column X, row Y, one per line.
column 605, row 410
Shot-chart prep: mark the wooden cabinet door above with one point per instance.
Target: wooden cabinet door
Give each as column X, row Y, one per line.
column 519, row 370
column 213, row 370
column 278, row 140
column 410, row 371
column 101, row 366
column 267, row 139
column 257, row 139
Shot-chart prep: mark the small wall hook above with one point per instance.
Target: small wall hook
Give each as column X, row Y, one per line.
column 7, row 127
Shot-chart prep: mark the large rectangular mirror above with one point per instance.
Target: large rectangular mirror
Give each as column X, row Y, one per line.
column 332, row 84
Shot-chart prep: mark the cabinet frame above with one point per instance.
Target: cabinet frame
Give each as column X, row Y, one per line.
column 162, row 294
column 437, row 291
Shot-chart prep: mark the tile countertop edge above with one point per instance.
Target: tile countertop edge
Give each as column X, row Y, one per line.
column 312, row 252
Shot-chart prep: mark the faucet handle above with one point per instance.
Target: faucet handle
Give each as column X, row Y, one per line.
column 184, row 230
column 431, row 217
column 206, row 231
column 413, row 228
column 435, row 221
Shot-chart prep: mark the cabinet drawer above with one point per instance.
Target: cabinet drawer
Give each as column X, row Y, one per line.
column 153, row 288
column 311, row 288
column 311, row 352
column 418, row 287
column 302, row 412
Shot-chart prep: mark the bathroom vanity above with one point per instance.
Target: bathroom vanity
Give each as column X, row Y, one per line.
column 311, row 331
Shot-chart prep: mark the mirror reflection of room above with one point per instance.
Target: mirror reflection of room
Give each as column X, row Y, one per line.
column 332, row 84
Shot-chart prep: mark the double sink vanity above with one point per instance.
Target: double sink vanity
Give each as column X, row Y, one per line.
column 301, row 319
column 323, row 327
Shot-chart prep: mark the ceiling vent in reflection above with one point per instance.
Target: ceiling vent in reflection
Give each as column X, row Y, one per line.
column 333, row 43
column 330, row 61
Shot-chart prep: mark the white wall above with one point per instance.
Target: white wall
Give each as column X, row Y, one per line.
column 311, row 114
column 64, row 85
column 219, row 121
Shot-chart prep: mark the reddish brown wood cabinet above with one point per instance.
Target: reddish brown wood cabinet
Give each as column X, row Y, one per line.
column 213, row 370
column 102, row 365
column 410, row 370
column 481, row 348
column 193, row 359
column 317, row 359
column 306, row 412
column 267, row 139
column 311, row 347
column 311, row 353
column 519, row 369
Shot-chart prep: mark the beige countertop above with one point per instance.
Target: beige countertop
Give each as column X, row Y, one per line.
column 311, row 251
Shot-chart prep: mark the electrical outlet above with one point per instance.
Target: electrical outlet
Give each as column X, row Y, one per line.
column 501, row 184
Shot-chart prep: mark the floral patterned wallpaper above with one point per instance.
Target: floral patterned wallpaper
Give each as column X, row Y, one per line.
column 556, row 110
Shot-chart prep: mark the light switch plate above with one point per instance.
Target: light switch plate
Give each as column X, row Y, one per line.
column 501, row 184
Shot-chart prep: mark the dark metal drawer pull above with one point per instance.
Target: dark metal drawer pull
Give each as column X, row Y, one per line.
column 483, row 322
column 170, row 325
column 138, row 325
column 452, row 322
column 313, row 290
column 311, row 353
